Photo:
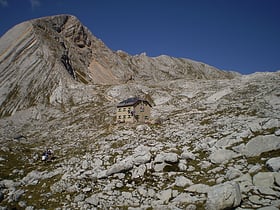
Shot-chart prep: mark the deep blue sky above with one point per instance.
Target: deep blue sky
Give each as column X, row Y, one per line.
column 240, row 35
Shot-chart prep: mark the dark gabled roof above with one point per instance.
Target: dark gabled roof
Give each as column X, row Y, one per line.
column 131, row 102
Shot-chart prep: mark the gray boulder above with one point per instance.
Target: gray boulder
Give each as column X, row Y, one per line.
column 164, row 195
column 141, row 155
column 271, row 124
column 219, row 156
column 223, row 196
column 122, row 166
column 182, row 181
column 273, row 164
column 79, row 197
column 143, row 128
column 198, row 188
column 264, row 179
column 188, row 155
column 182, row 165
column 7, row 183
column 245, row 183
column 159, row 166
column 261, row 144
column 163, row 160
column 33, row 177
column 85, row 164
column 233, row 173
column 277, row 178
column 185, row 198
column 255, row 126
column 17, row 194
column 138, row 171
column 166, row 157
column 93, row 200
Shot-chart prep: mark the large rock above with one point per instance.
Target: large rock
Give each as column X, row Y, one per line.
column 277, row 178
column 122, row 166
column 219, row 156
column 233, row 173
column 158, row 167
column 260, row 144
column 165, row 195
column 273, row 164
column 141, row 155
column 255, row 126
column 198, row 188
column 85, row 164
column 223, row 196
column 245, row 183
column 138, row 171
column 264, row 179
column 17, row 194
column 93, row 200
column 33, row 177
column 7, row 183
column 182, row 181
column 185, row 198
column 166, row 157
column 271, row 124
column 188, row 155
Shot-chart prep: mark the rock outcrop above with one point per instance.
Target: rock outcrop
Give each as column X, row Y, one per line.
column 273, row 164
column 223, row 196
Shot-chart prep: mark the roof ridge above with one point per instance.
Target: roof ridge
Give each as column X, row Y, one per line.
column 131, row 101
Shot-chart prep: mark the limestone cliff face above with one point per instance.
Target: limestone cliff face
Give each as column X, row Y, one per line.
column 40, row 58
column 27, row 69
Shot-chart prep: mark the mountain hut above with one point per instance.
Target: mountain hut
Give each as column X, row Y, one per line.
column 133, row 110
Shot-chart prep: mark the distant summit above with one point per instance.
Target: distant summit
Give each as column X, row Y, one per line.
column 41, row 57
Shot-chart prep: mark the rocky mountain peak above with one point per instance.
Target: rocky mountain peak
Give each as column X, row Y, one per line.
column 41, row 57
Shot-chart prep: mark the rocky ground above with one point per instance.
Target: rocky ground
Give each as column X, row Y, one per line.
column 211, row 145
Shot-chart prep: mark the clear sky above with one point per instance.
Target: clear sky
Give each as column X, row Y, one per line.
column 240, row 35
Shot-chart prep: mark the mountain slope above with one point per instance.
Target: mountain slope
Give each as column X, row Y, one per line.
column 41, row 56
column 205, row 133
